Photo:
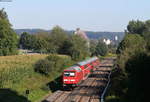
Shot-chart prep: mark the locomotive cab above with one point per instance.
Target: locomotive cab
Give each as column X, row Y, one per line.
column 71, row 76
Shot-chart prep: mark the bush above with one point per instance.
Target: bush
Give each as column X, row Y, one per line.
column 53, row 64
column 44, row 66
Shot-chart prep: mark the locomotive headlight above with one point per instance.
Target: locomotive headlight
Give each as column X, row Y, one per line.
column 65, row 79
column 72, row 80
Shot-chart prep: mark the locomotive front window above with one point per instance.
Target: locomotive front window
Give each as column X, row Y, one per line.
column 69, row 74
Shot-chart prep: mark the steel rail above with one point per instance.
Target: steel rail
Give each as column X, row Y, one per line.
column 104, row 92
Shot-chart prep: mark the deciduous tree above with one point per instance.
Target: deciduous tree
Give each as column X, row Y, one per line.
column 8, row 38
column 101, row 49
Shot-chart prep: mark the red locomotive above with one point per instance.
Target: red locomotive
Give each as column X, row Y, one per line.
column 73, row 75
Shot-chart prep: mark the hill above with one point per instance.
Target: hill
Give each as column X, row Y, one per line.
column 90, row 34
column 31, row 31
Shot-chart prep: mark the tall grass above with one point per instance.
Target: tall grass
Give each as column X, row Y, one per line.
column 17, row 73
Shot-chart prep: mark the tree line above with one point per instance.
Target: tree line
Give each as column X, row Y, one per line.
column 58, row 41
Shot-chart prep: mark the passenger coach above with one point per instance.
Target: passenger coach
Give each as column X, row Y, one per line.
column 73, row 75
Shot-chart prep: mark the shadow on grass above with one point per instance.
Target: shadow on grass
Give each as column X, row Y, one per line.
column 56, row 84
column 7, row 95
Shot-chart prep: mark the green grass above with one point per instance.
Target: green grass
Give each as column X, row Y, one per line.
column 107, row 56
column 17, row 75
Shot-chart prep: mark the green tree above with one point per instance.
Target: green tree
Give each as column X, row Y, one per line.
column 93, row 44
column 79, row 49
column 8, row 38
column 57, row 38
column 146, row 34
column 141, row 28
column 129, row 46
column 136, row 27
column 131, row 42
column 26, row 40
column 147, row 40
column 132, row 66
column 138, row 70
column 76, row 47
column 101, row 49
column 42, row 43
column 147, row 24
column 65, row 48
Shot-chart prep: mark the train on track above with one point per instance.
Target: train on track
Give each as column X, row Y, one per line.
column 75, row 74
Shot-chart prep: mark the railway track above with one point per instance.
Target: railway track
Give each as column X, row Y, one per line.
column 89, row 90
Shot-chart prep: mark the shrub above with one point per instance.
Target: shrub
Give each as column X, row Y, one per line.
column 53, row 64
column 44, row 66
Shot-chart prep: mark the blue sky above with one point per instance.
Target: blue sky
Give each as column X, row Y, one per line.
column 95, row 15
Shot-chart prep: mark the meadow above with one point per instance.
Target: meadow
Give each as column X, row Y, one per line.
column 17, row 75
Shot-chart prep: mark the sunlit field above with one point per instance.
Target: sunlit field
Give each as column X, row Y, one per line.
column 19, row 61
column 17, row 74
